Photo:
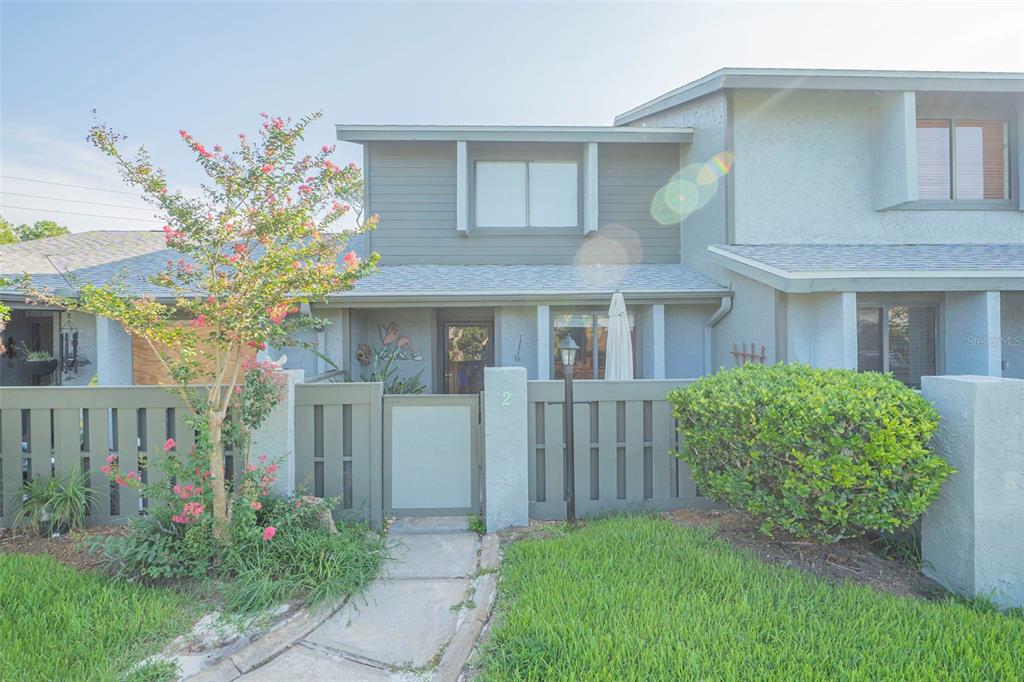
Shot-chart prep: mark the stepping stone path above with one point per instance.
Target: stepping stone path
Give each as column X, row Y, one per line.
column 418, row 621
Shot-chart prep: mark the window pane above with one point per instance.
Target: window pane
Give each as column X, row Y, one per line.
column 869, row 340
column 911, row 343
column 581, row 329
column 500, row 194
column 933, row 176
column 553, row 195
column 980, row 160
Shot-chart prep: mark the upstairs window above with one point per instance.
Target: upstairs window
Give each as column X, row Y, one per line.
column 962, row 160
column 521, row 194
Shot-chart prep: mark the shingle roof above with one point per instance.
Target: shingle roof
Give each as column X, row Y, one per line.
column 102, row 256
column 872, row 257
column 877, row 267
column 99, row 257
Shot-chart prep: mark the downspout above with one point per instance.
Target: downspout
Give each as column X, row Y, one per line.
column 723, row 309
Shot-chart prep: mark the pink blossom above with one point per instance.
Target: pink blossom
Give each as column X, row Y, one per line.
column 201, row 150
column 169, row 445
column 239, row 248
column 256, row 504
column 178, row 518
column 325, row 149
column 331, row 166
column 273, row 468
column 351, row 259
column 278, row 123
column 218, row 148
column 241, row 136
column 250, row 467
column 200, row 320
column 111, row 458
column 234, row 258
column 106, row 469
column 238, row 390
column 267, row 167
column 184, row 134
column 296, row 264
column 263, row 457
column 268, row 533
column 305, row 189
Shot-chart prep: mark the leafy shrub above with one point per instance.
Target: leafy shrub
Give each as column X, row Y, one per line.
column 824, row 453
column 277, row 548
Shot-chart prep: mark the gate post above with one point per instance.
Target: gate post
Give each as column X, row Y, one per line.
column 506, row 467
column 971, row 539
column 275, row 437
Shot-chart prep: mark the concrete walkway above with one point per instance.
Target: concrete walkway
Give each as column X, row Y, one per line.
column 418, row 621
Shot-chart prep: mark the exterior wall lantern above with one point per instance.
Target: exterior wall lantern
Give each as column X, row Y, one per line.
column 567, row 349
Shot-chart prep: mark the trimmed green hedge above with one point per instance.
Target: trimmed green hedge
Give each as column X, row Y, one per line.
column 828, row 453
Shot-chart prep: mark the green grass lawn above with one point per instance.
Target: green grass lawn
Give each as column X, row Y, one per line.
column 57, row 623
column 638, row 598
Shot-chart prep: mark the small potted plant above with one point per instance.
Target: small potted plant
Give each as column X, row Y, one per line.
column 39, row 363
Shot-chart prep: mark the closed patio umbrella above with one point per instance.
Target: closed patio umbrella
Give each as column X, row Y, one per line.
column 618, row 359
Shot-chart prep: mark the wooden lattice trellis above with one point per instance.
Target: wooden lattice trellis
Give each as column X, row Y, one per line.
column 742, row 356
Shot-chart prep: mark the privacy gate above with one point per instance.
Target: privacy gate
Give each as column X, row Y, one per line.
column 431, row 455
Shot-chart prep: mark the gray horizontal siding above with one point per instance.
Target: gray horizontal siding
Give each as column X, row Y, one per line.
column 412, row 188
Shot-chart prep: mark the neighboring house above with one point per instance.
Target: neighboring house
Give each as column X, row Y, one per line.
column 840, row 218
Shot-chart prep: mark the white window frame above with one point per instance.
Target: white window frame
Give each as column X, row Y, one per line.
column 1010, row 136
column 527, row 226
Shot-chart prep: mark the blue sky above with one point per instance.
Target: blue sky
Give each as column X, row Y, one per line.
column 150, row 69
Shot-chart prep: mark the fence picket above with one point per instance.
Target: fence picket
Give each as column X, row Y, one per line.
column 661, row 442
column 98, row 447
column 607, row 450
column 581, row 456
column 67, row 440
column 554, row 453
column 127, row 457
column 333, row 439
column 10, row 448
column 634, row 450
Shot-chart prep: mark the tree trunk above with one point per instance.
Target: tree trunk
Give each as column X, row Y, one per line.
column 220, row 501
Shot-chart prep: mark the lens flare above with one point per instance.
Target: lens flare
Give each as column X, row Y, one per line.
column 690, row 189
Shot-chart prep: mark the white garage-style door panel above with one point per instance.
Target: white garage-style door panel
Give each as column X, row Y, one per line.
column 431, row 463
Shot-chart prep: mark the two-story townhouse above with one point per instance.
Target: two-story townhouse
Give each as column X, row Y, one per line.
column 854, row 219
column 871, row 219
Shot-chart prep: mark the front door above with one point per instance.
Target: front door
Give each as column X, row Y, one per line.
column 468, row 347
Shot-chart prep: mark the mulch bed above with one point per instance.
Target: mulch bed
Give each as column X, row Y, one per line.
column 71, row 549
column 854, row 561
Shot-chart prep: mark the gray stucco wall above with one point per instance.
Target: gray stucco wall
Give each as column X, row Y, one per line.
column 684, row 340
column 1012, row 340
column 820, row 329
column 707, row 225
column 815, row 152
column 755, row 310
column 413, row 189
column 516, row 332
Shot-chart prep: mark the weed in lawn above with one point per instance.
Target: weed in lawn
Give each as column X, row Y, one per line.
column 640, row 598
column 61, row 624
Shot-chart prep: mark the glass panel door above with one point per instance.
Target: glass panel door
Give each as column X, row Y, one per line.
column 468, row 349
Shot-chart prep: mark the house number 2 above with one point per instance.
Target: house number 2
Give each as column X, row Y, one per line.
column 506, row 398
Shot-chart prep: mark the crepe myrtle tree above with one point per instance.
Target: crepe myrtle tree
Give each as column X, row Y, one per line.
column 253, row 247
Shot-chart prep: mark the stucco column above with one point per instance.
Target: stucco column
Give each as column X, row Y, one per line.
column 113, row 353
column 543, row 342
column 972, row 328
column 276, row 435
column 971, row 539
column 333, row 338
column 507, row 479
column 658, row 339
